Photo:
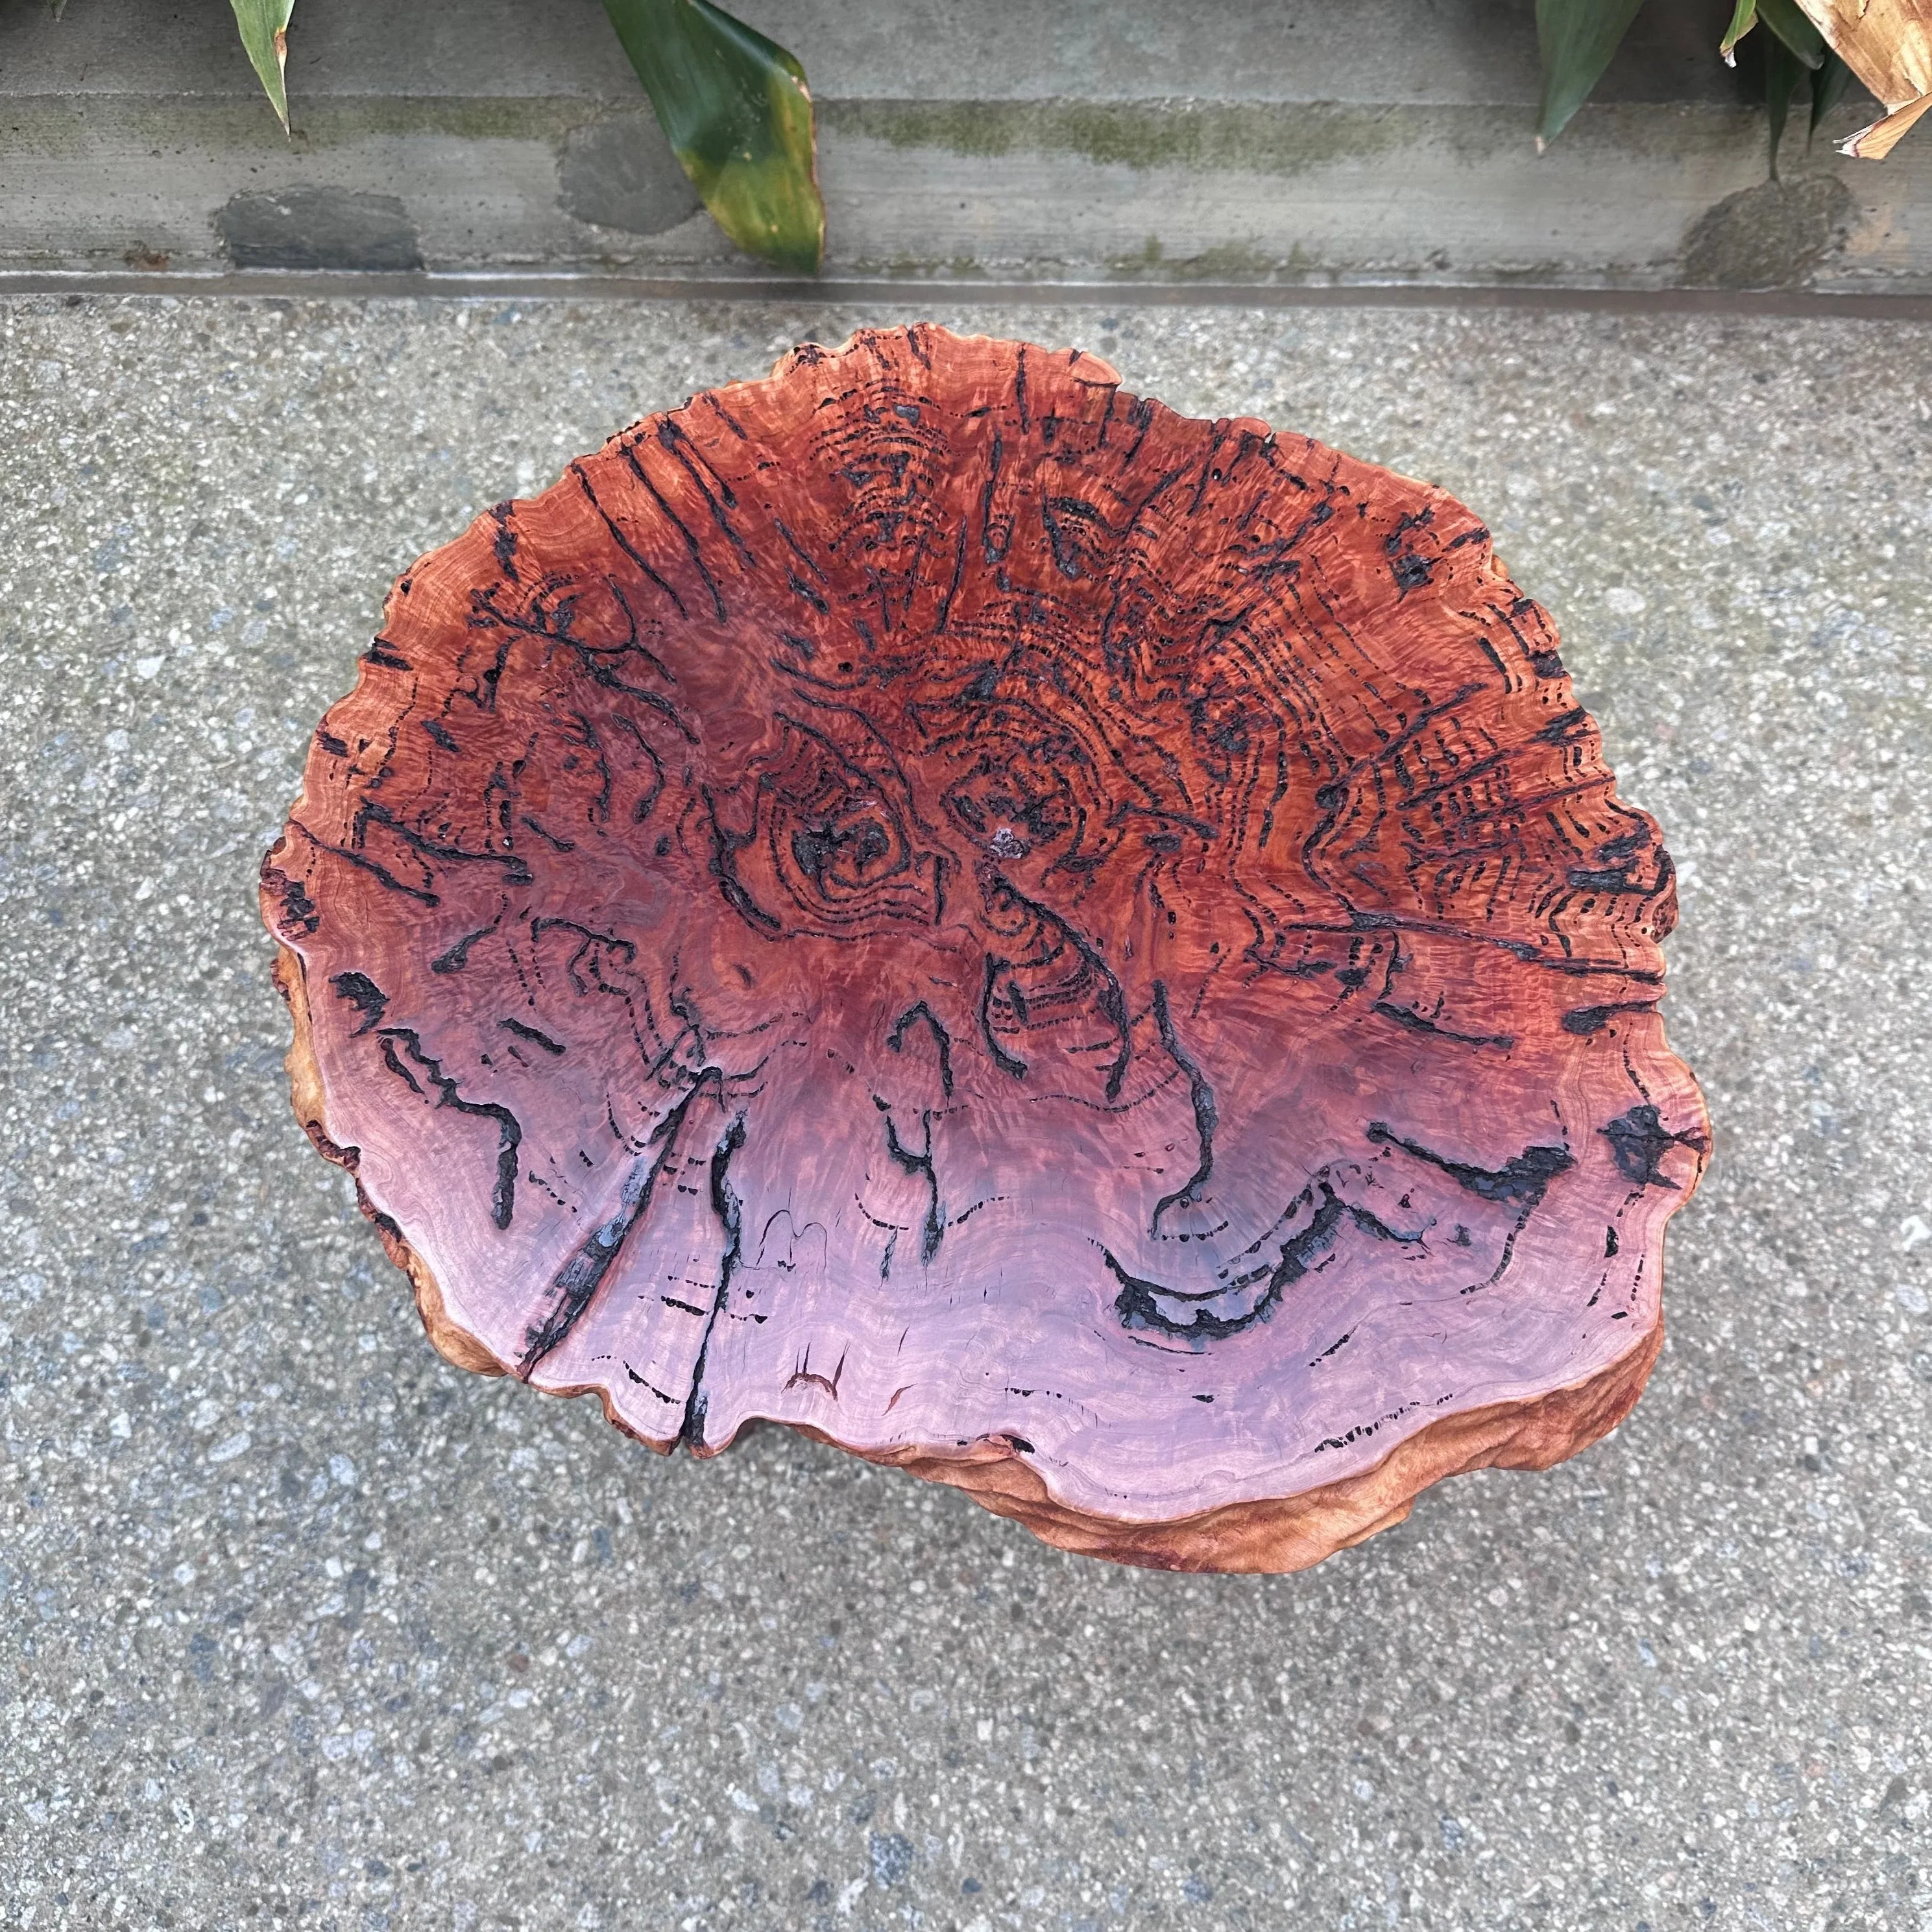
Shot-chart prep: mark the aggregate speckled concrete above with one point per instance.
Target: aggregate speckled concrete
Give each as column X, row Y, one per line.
column 303, row 1627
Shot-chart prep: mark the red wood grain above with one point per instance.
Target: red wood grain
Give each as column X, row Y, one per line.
column 1091, row 954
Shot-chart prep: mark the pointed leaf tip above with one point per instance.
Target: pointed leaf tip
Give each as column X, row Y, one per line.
column 1828, row 88
column 1789, row 21
column 738, row 114
column 264, row 27
column 1744, row 17
column 1887, row 44
column 1782, row 70
column 1576, row 39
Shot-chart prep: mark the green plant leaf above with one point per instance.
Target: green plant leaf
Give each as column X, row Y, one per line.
column 1828, row 89
column 1787, row 20
column 1743, row 18
column 736, row 110
column 1576, row 39
column 1783, row 71
column 264, row 25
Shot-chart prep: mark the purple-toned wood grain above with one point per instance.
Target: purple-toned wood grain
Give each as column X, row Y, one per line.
column 1091, row 953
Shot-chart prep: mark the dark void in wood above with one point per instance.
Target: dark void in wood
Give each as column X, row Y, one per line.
column 1090, row 954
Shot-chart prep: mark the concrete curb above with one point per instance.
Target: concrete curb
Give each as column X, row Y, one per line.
column 906, row 297
column 1245, row 144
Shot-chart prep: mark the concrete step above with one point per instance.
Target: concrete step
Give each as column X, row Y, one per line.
column 1242, row 142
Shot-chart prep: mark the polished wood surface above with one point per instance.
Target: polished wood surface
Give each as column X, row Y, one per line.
column 1091, row 954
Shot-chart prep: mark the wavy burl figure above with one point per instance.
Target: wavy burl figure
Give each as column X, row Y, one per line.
column 1091, row 954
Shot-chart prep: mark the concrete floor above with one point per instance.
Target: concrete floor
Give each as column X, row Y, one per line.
column 303, row 1627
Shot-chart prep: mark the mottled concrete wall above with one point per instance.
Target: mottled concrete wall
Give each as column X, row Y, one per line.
column 1391, row 140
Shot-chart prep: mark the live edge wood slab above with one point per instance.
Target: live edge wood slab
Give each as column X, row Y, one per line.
column 1090, row 954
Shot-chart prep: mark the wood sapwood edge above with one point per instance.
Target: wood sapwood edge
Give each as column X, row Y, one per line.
column 1272, row 1536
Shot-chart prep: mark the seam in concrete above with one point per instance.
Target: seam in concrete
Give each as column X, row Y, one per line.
column 1794, row 303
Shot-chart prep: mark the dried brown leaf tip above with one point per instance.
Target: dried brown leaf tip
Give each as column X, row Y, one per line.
column 1888, row 45
column 1090, row 954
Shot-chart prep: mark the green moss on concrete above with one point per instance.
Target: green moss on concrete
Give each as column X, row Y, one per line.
column 917, row 268
column 1264, row 138
column 1228, row 262
column 343, row 121
column 1248, row 137
column 1289, row 138
column 79, row 124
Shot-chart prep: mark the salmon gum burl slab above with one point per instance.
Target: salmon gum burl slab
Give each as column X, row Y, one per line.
column 1090, row 954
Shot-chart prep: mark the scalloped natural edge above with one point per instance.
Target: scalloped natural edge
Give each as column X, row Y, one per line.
column 1271, row 1536
column 1514, row 970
